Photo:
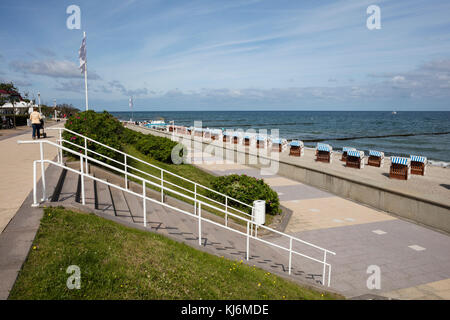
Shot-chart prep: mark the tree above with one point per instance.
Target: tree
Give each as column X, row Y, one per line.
column 13, row 100
column 9, row 87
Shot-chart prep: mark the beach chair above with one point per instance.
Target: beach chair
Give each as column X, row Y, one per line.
column 236, row 138
column 344, row 152
column 324, row 153
column 198, row 132
column 247, row 140
column 376, row 158
column 354, row 159
column 296, row 148
column 278, row 145
column 400, row 168
column 261, row 142
column 182, row 130
column 418, row 165
column 207, row 134
column 215, row 134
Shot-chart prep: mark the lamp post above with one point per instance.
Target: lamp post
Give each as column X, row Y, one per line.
column 54, row 103
column 39, row 101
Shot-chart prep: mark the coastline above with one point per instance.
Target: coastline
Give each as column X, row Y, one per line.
column 405, row 134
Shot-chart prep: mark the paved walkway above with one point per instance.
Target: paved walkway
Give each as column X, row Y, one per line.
column 414, row 261
column 16, row 172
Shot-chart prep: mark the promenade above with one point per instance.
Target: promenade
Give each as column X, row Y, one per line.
column 413, row 260
column 16, row 169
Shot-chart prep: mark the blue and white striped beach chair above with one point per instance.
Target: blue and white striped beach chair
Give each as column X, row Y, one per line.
column 344, row 152
column 376, row 158
column 324, row 153
column 400, row 168
column 355, row 159
column 418, row 165
column 296, row 148
column 261, row 141
column 278, row 144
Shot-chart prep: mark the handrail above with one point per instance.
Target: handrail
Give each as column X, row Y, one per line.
column 199, row 203
column 227, row 198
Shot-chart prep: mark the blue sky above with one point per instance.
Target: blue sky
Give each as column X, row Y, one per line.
column 232, row 55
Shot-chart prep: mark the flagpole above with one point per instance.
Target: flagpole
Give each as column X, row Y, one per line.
column 85, row 78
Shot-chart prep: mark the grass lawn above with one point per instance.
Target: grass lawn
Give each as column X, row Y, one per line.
column 117, row 262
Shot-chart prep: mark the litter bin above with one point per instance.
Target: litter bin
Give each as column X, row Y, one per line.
column 259, row 212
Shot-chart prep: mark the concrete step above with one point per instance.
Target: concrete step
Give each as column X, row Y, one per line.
column 89, row 193
column 135, row 207
column 120, row 205
column 69, row 187
column 58, row 187
column 103, row 198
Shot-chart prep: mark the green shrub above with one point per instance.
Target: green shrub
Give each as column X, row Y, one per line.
column 246, row 189
column 105, row 128
column 102, row 127
column 159, row 148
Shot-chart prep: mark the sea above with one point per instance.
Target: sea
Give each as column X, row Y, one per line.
column 405, row 133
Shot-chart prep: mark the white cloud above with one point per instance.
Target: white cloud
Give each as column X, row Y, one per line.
column 51, row 68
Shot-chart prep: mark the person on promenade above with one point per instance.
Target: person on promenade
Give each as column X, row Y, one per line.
column 35, row 118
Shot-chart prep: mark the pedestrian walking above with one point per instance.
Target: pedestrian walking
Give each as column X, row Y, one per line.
column 35, row 118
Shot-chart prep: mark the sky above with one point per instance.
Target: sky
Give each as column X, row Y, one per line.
column 231, row 55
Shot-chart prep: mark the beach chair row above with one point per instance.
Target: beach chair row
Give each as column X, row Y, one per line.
column 400, row 168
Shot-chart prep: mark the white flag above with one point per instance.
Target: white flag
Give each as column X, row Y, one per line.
column 82, row 53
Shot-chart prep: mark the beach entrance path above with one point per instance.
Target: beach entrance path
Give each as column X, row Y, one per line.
column 16, row 167
column 413, row 261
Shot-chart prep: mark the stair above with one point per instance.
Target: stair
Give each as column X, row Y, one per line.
column 103, row 201
column 128, row 208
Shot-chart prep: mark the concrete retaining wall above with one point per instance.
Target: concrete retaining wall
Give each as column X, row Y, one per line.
column 421, row 210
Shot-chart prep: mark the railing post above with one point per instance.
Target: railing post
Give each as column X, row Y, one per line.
column 144, row 204
column 290, row 255
column 126, row 176
column 324, row 266
column 162, row 186
column 83, row 199
column 41, row 149
column 199, row 224
column 60, row 143
column 226, row 211
column 195, row 198
column 35, row 203
column 248, row 239
column 329, row 275
column 85, row 153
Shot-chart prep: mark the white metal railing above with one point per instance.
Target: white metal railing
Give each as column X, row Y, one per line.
column 228, row 201
column 252, row 227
